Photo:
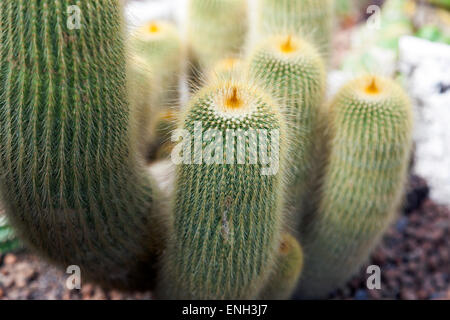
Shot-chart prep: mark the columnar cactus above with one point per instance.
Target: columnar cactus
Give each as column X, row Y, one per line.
column 159, row 44
column 292, row 71
column 217, row 30
column 228, row 202
column 369, row 139
column 307, row 18
column 71, row 182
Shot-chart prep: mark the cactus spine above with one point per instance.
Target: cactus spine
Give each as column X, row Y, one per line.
column 71, row 183
column 306, row 18
column 369, row 140
column 227, row 212
column 217, row 30
column 293, row 71
column 283, row 281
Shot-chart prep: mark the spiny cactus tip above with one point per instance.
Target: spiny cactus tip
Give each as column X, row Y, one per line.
column 288, row 46
column 373, row 88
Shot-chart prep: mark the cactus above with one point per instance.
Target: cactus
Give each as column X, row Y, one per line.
column 306, row 18
column 292, row 70
column 159, row 44
column 142, row 103
column 163, row 125
column 442, row 3
column 77, row 105
column 227, row 211
column 369, row 139
column 217, row 30
column 71, row 182
column 282, row 282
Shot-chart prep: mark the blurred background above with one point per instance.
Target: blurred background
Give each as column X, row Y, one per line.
column 405, row 39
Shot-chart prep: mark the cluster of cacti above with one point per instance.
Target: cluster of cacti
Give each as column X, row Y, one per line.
column 273, row 190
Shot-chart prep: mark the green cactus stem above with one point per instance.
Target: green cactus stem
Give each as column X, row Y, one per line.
column 142, row 103
column 217, row 30
column 227, row 209
column 369, row 128
column 312, row 19
column 285, row 277
column 71, row 182
column 293, row 72
column 159, row 44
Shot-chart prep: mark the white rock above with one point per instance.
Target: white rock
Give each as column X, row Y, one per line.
column 426, row 66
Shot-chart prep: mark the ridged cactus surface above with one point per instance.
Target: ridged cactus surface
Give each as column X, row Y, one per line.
column 70, row 180
column 293, row 72
column 227, row 215
column 369, row 140
column 217, row 30
column 312, row 19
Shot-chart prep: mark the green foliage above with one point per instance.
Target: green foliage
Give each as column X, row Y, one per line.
column 8, row 240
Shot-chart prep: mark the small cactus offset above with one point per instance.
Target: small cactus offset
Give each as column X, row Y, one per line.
column 71, row 182
column 270, row 190
column 311, row 18
column 217, row 30
column 292, row 71
column 227, row 209
column 287, row 270
column 369, row 129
